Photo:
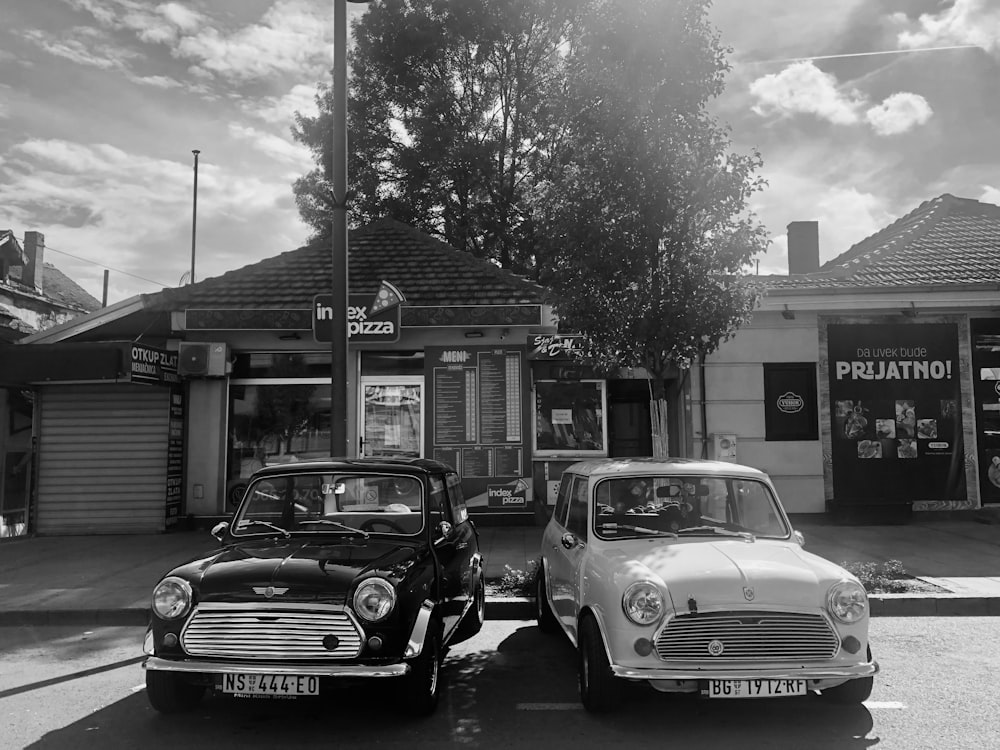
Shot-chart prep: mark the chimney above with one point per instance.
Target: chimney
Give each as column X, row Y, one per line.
column 34, row 249
column 803, row 247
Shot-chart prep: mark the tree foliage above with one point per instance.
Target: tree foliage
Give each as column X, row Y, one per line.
column 448, row 111
column 645, row 217
column 566, row 139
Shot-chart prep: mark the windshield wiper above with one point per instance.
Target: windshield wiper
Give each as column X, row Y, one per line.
column 338, row 524
column 719, row 531
column 268, row 524
column 637, row 529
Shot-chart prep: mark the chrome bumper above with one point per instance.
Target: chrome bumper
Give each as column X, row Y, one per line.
column 747, row 673
column 319, row 670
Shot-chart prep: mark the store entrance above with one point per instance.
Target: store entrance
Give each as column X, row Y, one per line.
column 629, row 426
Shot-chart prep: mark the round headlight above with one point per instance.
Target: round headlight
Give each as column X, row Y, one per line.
column 847, row 601
column 172, row 598
column 374, row 599
column 642, row 603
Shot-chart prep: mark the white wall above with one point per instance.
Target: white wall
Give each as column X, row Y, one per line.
column 734, row 404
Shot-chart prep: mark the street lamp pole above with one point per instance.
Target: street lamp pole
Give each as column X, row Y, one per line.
column 339, row 380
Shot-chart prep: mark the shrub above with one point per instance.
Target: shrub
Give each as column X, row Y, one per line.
column 516, row 582
column 887, row 577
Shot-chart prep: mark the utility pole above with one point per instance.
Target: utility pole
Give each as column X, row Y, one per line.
column 338, row 236
column 194, row 210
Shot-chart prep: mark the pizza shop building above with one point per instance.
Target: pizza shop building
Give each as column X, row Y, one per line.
column 161, row 406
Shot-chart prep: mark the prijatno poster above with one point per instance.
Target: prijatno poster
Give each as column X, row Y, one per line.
column 896, row 422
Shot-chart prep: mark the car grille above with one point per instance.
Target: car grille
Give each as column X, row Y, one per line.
column 746, row 636
column 275, row 633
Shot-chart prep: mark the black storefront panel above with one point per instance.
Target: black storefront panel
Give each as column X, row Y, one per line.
column 896, row 422
column 790, row 411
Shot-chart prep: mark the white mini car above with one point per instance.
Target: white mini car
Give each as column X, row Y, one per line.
column 687, row 575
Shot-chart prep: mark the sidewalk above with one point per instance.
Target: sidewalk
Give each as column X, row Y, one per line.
column 107, row 580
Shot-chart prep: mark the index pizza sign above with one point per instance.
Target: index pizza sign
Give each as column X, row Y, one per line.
column 369, row 318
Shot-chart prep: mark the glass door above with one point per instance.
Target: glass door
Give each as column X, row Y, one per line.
column 392, row 416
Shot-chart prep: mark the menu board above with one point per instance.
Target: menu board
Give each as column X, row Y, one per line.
column 477, row 409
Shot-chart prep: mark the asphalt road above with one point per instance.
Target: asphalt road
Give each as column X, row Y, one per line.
column 510, row 687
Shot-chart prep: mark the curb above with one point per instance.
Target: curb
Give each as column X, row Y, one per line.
column 523, row 608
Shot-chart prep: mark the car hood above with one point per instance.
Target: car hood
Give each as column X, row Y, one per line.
column 308, row 569
column 729, row 573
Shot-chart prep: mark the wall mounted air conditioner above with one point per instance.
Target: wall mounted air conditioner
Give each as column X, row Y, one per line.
column 199, row 359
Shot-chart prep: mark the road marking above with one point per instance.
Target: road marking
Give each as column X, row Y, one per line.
column 884, row 704
column 549, row 706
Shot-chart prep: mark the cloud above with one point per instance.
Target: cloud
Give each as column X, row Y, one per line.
column 990, row 194
column 291, row 37
column 280, row 110
column 128, row 210
column 965, row 22
column 899, row 113
column 274, row 146
column 802, row 88
column 81, row 47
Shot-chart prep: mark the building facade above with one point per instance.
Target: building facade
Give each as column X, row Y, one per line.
column 863, row 387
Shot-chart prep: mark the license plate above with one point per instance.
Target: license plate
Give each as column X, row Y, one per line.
column 270, row 684
column 755, row 688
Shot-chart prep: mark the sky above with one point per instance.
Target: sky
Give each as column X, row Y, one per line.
column 861, row 110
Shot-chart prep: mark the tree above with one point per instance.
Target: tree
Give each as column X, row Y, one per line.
column 449, row 108
column 645, row 218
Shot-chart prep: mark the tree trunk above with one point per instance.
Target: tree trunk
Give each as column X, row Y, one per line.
column 661, row 435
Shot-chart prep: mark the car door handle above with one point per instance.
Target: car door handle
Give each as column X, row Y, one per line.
column 462, row 545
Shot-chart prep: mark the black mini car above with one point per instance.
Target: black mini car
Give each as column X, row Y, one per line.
column 330, row 571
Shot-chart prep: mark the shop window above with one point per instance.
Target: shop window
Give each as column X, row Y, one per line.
column 279, row 418
column 790, row 401
column 570, row 417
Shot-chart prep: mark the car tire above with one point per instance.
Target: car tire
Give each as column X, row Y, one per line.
column 169, row 694
column 852, row 692
column 422, row 686
column 600, row 690
column 547, row 622
column 473, row 621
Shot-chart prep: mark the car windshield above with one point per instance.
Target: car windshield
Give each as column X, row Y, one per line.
column 331, row 503
column 686, row 506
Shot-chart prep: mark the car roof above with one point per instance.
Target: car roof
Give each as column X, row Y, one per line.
column 387, row 465
column 643, row 465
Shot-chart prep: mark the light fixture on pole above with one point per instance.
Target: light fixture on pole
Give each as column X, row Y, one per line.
column 194, row 210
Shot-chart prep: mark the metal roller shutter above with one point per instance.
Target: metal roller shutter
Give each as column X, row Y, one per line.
column 102, row 459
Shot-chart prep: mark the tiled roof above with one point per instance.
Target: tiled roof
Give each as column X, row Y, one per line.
column 60, row 288
column 944, row 241
column 428, row 272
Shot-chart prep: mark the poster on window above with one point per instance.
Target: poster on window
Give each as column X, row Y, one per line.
column 894, row 406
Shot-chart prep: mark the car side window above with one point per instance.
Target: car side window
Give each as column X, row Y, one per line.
column 576, row 520
column 456, row 500
column 562, row 499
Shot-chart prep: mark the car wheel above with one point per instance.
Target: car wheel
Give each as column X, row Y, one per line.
column 473, row 621
column 851, row 692
column 422, row 686
column 547, row 622
column 169, row 694
column 600, row 690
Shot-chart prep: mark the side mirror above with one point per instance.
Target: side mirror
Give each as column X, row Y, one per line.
column 220, row 529
column 798, row 537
